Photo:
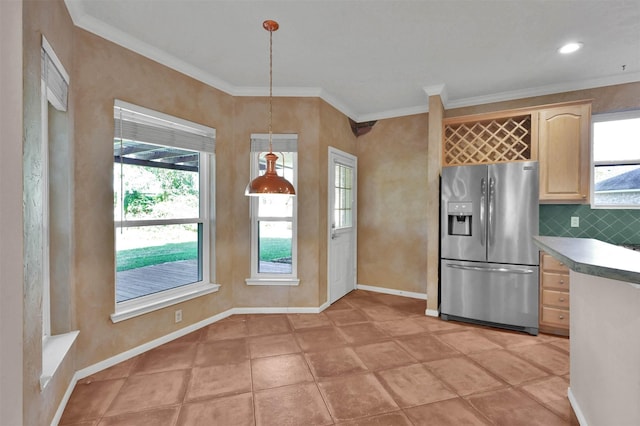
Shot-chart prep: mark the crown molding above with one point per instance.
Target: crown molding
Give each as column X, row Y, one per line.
column 438, row 90
column 545, row 90
column 83, row 20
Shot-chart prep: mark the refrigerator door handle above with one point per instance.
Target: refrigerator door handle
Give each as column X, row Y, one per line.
column 489, row 269
column 492, row 210
column 483, row 228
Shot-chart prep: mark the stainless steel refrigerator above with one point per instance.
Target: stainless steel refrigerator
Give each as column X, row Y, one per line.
column 489, row 264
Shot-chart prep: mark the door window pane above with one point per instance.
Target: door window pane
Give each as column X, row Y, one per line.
column 343, row 196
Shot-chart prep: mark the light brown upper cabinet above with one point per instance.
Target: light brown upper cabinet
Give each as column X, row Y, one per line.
column 563, row 153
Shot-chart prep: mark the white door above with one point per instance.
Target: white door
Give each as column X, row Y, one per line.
column 342, row 236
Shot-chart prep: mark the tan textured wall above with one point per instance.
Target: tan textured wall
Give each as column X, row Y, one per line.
column 51, row 19
column 392, row 202
column 335, row 132
column 11, row 259
column 104, row 72
column 317, row 125
column 290, row 115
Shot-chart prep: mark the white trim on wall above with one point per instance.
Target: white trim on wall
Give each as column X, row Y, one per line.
column 432, row 313
column 83, row 20
column 413, row 295
column 576, row 408
column 123, row 356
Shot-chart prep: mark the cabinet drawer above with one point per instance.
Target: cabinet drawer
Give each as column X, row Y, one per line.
column 555, row 281
column 557, row 317
column 550, row 263
column 555, row 298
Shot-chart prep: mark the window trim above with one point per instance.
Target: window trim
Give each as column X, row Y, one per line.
column 46, row 227
column 54, row 85
column 134, row 307
column 599, row 118
column 284, row 142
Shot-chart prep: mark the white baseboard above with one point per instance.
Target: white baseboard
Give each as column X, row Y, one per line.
column 277, row 310
column 395, row 292
column 109, row 362
column 432, row 313
column 123, row 356
column 576, row 408
column 324, row 306
column 65, row 400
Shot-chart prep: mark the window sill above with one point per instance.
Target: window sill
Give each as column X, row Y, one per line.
column 54, row 350
column 273, row 281
column 144, row 305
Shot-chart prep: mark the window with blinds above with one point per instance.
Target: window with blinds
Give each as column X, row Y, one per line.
column 274, row 217
column 162, row 205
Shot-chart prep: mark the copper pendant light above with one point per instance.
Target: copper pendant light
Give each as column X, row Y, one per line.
column 270, row 182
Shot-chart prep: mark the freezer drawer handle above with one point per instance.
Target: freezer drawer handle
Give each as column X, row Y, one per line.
column 479, row 268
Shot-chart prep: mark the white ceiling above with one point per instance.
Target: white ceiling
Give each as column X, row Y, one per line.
column 377, row 59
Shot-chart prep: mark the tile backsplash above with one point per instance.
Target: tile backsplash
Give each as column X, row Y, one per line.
column 616, row 226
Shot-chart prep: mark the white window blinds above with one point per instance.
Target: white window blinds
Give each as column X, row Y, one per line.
column 55, row 77
column 280, row 142
column 140, row 124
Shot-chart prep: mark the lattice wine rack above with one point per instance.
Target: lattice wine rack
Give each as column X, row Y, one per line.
column 487, row 141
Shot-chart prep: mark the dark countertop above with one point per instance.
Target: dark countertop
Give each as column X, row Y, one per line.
column 594, row 257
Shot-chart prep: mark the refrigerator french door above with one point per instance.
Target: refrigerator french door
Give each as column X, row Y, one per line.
column 489, row 264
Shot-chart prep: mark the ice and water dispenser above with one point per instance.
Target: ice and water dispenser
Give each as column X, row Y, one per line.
column 459, row 214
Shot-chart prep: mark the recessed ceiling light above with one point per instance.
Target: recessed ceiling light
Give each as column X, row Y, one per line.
column 570, row 48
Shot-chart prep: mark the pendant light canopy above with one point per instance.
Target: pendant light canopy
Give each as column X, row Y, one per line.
column 270, row 182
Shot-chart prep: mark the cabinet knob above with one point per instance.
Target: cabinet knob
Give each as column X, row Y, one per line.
column 561, row 281
column 561, row 316
column 562, row 299
column 584, row 196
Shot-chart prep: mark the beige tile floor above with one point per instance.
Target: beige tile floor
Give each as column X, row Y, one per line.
column 370, row 359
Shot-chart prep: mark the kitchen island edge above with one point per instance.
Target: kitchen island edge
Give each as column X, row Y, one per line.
column 594, row 257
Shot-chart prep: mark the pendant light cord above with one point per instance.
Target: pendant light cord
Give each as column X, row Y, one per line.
column 270, row 88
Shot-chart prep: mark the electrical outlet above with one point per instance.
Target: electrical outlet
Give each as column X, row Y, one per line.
column 179, row 315
column 575, row 221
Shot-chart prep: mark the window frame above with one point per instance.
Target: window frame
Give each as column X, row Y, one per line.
column 279, row 141
column 134, row 307
column 607, row 117
column 343, row 190
column 54, row 85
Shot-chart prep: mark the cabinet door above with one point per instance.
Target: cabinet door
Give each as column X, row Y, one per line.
column 564, row 153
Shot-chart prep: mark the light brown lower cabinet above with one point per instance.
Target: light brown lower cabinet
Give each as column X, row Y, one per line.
column 554, row 296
